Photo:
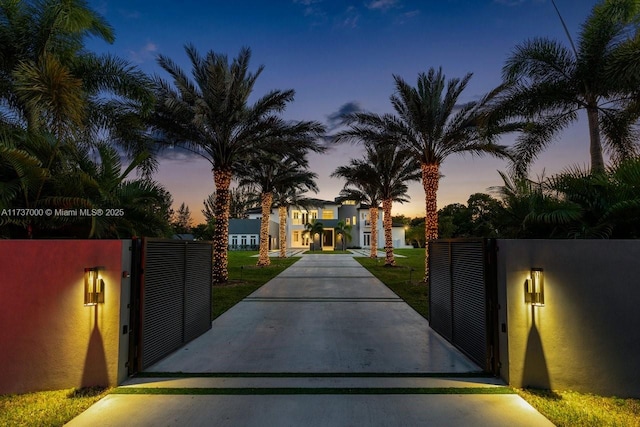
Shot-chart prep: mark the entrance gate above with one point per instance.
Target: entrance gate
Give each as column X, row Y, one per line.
column 170, row 298
column 463, row 297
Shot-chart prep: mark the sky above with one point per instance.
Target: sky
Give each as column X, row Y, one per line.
column 342, row 55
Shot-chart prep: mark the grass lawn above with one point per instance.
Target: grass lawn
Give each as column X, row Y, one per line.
column 244, row 278
column 571, row 409
column 47, row 408
column 405, row 279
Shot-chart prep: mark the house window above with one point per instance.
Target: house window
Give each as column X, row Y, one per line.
column 327, row 214
column 313, row 215
column 348, row 221
column 349, row 202
column 234, row 241
column 253, row 240
column 353, row 220
column 296, row 218
column 296, row 236
column 243, row 240
column 367, row 239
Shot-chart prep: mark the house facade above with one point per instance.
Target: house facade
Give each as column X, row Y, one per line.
column 329, row 213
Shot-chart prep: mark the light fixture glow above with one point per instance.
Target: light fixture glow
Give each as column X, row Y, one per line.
column 93, row 286
column 534, row 287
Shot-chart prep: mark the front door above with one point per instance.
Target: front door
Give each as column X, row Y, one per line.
column 327, row 239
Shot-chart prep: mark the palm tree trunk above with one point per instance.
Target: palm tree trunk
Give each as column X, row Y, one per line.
column 282, row 214
column 373, row 216
column 430, row 179
column 222, row 181
column 263, row 258
column 595, row 145
column 388, row 230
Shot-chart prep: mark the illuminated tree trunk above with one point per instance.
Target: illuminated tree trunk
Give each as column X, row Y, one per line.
column 430, row 179
column 387, row 223
column 373, row 216
column 282, row 214
column 263, row 258
column 222, row 181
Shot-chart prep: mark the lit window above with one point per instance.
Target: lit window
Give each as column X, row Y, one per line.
column 348, row 221
column 296, row 236
column 353, row 220
column 327, row 214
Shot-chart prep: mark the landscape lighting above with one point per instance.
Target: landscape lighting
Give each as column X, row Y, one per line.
column 93, row 286
column 534, row 287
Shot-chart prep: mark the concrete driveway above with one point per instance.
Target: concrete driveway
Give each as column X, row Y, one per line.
column 323, row 344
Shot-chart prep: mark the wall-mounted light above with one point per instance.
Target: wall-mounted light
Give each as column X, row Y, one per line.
column 534, row 288
column 93, row 286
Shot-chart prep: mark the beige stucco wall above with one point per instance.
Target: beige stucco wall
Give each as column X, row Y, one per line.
column 49, row 339
column 587, row 335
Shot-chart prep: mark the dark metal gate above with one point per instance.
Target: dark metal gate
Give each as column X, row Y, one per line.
column 463, row 297
column 171, row 298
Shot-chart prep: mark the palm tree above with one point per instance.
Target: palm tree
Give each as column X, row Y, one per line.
column 431, row 125
column 265, row 175
column 51, row 83
column 292, row 194
column 130, row 207
column 554, row 82
column 362, row 184
column 344, row 230
column 312, row 229
column 395, row 167
column 210, row 116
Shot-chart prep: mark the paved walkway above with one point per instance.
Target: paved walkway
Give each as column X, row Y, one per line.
column 323, row 344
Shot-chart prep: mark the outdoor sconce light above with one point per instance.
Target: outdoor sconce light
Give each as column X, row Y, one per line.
column 534, row 288
column 93, row 286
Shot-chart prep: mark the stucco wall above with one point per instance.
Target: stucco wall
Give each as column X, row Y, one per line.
column 587, row 335
column 49, row 339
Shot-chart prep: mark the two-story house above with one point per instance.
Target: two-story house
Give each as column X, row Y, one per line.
column 329, row 213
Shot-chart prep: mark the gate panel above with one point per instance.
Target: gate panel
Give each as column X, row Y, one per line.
column 462, row 271
column 197, row 316
column 469, row 296
column 440, row 310
column 175, row 297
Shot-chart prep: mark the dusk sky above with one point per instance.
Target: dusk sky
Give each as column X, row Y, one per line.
column 338, row 54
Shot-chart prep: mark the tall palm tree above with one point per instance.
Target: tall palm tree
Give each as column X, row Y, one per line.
column 395, row 167
column 210, row 115
column 431, row 125
column 362, row 184
column 266, row 175
column 292, row 194
column 553, row 82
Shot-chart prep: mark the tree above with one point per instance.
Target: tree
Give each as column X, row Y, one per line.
column 293, row 194
column 210, row 115
column 266, row 175
column 362, row 184
column 552, row 83
column 182, row 221
column 344, row 230
column 431, row 125
column 50, row 83
column 393, row 168
column 313, row 229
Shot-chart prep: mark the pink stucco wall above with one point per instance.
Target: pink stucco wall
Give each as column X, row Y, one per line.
column 48, row 338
